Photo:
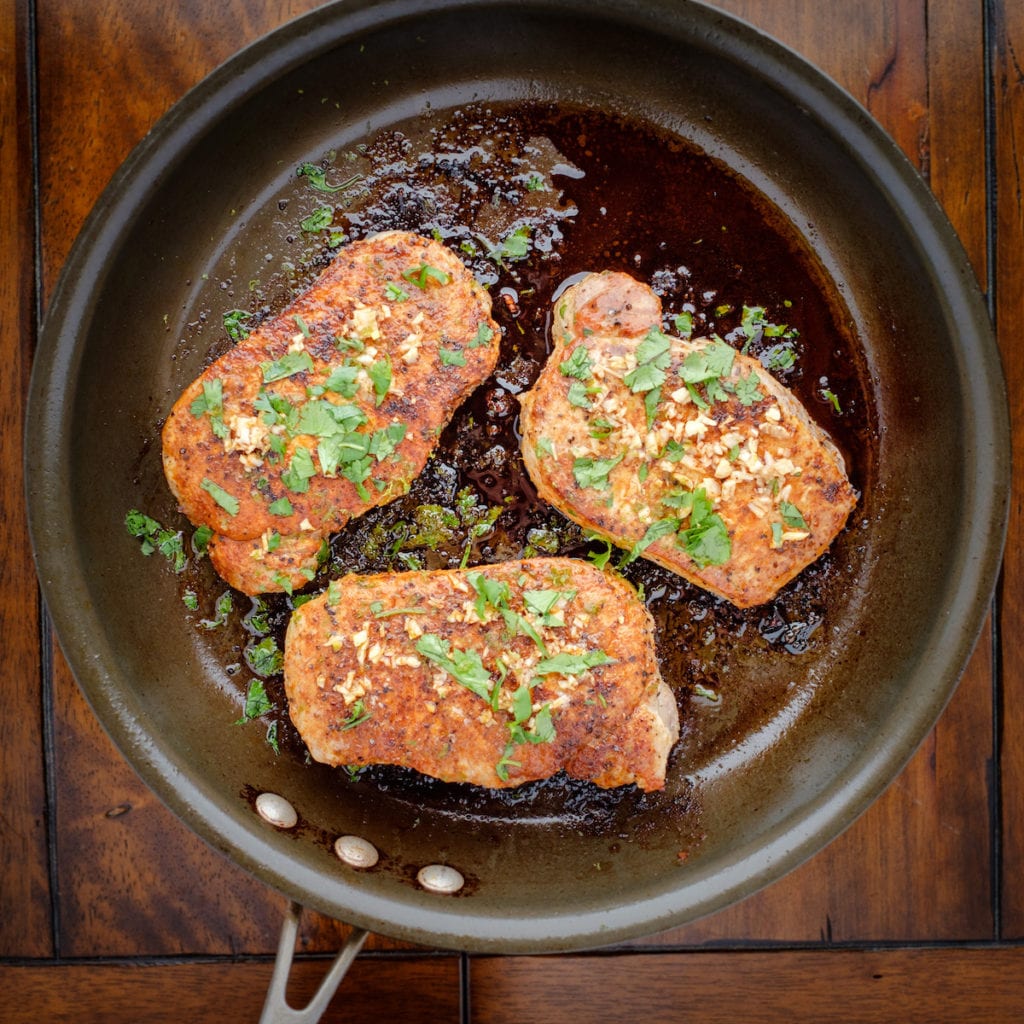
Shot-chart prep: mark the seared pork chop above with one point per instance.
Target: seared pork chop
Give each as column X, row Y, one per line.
column 681, row 451
column 329, row 409
column 493, row 676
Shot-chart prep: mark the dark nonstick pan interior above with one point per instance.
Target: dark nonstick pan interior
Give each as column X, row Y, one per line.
column 679, row 140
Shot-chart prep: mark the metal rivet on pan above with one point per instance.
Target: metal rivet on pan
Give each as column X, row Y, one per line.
column 440, row 878
column 276, row 810
column 356, row 851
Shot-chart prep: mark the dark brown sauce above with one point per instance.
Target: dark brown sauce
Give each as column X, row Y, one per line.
column 593, row 193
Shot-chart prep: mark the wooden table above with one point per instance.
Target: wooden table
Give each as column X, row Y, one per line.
column 111, row 910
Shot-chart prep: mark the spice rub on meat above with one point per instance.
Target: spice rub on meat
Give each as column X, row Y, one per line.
column 329, row 409
column 494, row 676
column 680, row 450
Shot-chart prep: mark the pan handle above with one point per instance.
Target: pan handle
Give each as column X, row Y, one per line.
column 276, row 1009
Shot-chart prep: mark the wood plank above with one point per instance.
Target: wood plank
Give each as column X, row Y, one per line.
column 132, row 877
column 147, row 55
column 24, row 874
column 1008, row 72
column 414, row 991
column 869, row 884
column 879, row 986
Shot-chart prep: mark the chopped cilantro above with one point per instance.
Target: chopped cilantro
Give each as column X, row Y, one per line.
column 380, row 375
column 299, row 472
column 265, row 658
column 706, row 540
column 395, row 292
column 190, row 600
column 226, row 501
column 358, row 715
column 342, row 381
column 257, row 703
column 201, row 539
column 465, row 667
column 287, row 366
column 514, row 246
column 566, row 664
column 483, row 336
column 747, row 390
column 832, row 398
column 684, row 323
column 653, row 357
column 578, row 392
column 234, row 324
column 221, row 609
column 155, row 537
column 317, row 178
column 544, row 447
column 792, row 516
column 451, row 357
column 578, row 365
column 211, row 403
column 281, row 507
column 657, row 530
column 421, row 275
column 600, row 558
column 319, row 219
column 594, row 472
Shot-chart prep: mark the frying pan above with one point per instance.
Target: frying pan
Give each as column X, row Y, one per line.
column 126, row 331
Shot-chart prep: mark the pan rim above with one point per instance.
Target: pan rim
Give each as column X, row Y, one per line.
column 450, row 924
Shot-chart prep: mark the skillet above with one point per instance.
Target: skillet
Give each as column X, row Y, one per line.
column 136, row 314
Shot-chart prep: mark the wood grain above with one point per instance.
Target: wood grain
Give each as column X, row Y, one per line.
column 133, row 883
column 24, row 880
column 913, row 986
column 1008, row 102
column 421, row 991
column 869, row 884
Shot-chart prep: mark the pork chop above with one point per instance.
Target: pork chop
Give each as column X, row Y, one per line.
column 495, row 676
column 330, row 408
column 682, row 451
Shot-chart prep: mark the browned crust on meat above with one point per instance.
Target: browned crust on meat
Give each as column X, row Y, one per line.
column 354, row 650
column 375, row 306
column 754, row 461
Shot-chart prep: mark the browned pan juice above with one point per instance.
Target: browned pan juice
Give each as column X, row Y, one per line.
column 585, row 192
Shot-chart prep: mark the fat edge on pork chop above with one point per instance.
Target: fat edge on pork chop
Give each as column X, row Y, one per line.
column 330, row 408
column 494, row 676
column 681, row 451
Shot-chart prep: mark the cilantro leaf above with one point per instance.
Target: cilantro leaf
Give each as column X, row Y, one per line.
column 320, row 218
column 514, row 246
column 707, row 540
column 226, row 501
column 234, row 326
column 419, row 276
column 358, row 715
column 747, row 390
column 380, row 375
column 300, row 471
column 792, row 516
column 342, row 381
column 155, row 537
column 483, row 336
column 317, row 178
column 265, row 658
column 465, row 667
column 257, row 703
column 657, row 530
column 451, row 357
column 287, row 366
column 594, row 472
column 566, row 664
column 578, row 365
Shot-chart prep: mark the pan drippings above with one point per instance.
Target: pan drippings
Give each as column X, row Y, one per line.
column 531, row 197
